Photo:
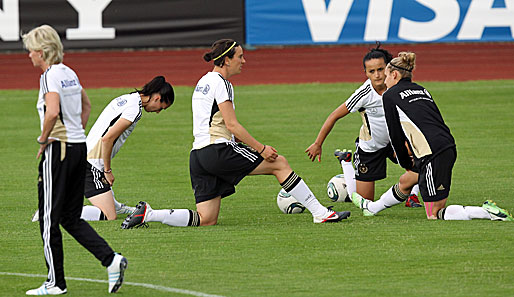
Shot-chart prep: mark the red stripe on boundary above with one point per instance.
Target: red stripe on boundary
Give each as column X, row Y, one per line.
column 329, row 64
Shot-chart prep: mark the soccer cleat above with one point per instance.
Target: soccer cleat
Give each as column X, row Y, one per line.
column 332, row 217
column 497, row 213
column 35, row 216
column 124, row 209
column 413, row 201
column 46, row 291
column 137, row 218
column 343, row 155
column 362, row 203
column 116, row 271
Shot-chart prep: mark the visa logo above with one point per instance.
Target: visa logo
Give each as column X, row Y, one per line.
column 327, row 18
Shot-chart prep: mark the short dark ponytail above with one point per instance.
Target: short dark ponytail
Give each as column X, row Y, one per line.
column 219, row 51
column 159, row 85
column 377, row 53
column 207, row 57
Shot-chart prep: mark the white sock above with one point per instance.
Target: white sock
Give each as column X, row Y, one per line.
column 477, row 212
column 349, row 177
column 388, row 199
column 463, row 213
column 415, row 190
column 174, row 217
column 92, row 213
column 295, row 186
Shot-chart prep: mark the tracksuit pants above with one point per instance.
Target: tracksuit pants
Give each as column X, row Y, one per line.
column 61, row 197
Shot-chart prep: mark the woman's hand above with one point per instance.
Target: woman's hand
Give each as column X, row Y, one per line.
column 109, row 176
column 42, row 146
column 269, row 153
column 313, row 151
column 41, row 150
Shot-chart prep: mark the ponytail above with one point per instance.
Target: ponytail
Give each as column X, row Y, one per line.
column 159, row 85
column 221, row 49
column 377, row 53
column 404, row 64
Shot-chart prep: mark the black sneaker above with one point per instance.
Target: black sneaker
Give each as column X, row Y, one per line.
column 137, row 218
column 343, row 155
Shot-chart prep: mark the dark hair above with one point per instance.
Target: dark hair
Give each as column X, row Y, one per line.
column 218, row 49
column 377, row 53
column 159, row 85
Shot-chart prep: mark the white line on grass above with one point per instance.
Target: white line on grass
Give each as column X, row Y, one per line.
column 149, row 286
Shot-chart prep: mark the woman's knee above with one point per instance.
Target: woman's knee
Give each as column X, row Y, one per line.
column 209, row 211
column 208, row 223
column 432, row 208
column 111, row 217
column 208, row 219
column 407, row 181
column 281, row 163
column 105, row 202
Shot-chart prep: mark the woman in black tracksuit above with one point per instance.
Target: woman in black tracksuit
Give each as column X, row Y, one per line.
column 423, row 143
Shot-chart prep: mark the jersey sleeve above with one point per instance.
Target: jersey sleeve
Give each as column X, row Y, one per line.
column 359, row 98
column 50, row 83
column 222, row 91
column 395, row 129
column 132, row 111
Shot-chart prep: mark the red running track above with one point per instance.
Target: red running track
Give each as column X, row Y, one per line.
column 435, row 62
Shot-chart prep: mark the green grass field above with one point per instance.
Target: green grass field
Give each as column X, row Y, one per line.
column 255, row 250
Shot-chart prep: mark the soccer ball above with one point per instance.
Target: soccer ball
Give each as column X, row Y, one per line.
column 336, row 189
column 288, row 204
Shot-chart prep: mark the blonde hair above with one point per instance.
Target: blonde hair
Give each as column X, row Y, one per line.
column 404, row 63
column 44, row 38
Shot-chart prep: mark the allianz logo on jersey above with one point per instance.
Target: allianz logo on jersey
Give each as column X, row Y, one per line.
column 406, row 93
column 68, row 83
column 204, row 90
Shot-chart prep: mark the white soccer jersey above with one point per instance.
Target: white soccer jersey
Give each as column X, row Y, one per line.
column 373, row 134
column 60, row 79
column 208, row 124
column 127, row 106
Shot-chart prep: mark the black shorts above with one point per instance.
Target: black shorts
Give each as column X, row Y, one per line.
column 217, row 168
column 372, row 166
column 95, row 182
column 435, row 177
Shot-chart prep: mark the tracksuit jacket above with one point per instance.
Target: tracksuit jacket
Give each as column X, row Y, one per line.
column 412, row 115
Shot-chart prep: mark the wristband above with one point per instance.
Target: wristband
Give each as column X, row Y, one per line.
column 263, row 149
column 42, row 142
column 108, row 171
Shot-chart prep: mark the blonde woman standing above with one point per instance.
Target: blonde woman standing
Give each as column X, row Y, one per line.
column 63, row 108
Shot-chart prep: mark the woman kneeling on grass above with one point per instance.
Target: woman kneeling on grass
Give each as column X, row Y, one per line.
column 217, row 162
column 105, row 139
column 107, row 136
column 423, row 143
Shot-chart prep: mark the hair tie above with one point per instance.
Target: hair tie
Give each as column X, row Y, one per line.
column 233, row 44
column 409, row 70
